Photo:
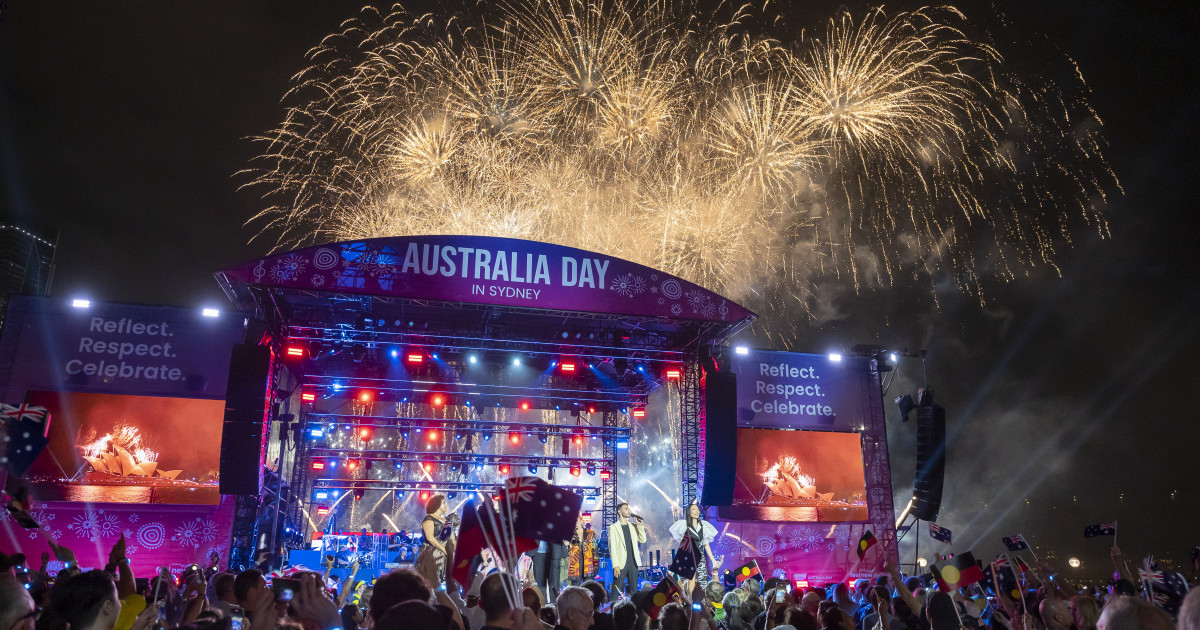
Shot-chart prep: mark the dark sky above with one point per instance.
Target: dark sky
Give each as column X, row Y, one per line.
column 122, row 124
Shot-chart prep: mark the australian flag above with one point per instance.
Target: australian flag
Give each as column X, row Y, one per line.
column 1166, row 589
column 25, row 431
column 539, row 510
column 1007, row 580
column 684, row 564
column 939, row 533
column 1103, row 529
column 1016, row 542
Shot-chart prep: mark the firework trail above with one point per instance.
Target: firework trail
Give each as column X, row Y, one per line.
column 886, row 148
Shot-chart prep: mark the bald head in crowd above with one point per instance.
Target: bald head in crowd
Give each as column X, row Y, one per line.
column 1056, row 614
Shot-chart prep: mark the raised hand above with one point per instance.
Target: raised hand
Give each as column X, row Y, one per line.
column 118, row 550
column 64, row 555
column 311, row 607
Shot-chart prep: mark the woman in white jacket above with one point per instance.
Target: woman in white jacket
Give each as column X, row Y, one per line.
column 702, row 533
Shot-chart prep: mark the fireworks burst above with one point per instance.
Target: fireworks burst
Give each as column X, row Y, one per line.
column 891, row 146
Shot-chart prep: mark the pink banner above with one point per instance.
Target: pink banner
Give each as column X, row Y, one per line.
column 820, row 553
column 155, row 535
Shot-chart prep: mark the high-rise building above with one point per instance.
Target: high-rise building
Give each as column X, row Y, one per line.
column 26, row 260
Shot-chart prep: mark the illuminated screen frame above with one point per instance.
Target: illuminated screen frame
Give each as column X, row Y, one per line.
column 789, row 498
column 184, row 433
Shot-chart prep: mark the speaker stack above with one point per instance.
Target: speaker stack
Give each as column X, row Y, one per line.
column 720, row 436
column 931, row 462
column 245, row 415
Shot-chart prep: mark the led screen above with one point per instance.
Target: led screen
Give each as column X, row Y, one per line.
column 113, row 448
column 806, row 476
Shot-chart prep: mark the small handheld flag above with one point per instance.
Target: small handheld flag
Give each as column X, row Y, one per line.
column 939, row 533
column 959, row 571
column 664, row 593
column 1103, row 529
column 746, row 571
column 866, row 542
column 1016, row 542
column 25, row 435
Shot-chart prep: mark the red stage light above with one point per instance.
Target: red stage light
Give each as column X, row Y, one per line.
column 591, row 410
column 515, row 438
column 524, row 405
column 432, row 435
column 296, row 351
column 639, row 413
column 424, row 495
column 673, row 373
column 318, row 464
column 604, row 474
column 364, row 433
column 322, row 510
column 567, row 366
column 504, row 469
column 352, row 464
column 575, row 470
column 364, row 397
column 428, row 466
column 587, row 517
column 415, row 357
column 578, row 440
column 308, row 396
column 438, row 400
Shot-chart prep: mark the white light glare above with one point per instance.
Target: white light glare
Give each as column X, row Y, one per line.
column 80, row 303
column 836, row 357
column 894, row 357
column 741, row 350
column 516, row 361
column 210, row 312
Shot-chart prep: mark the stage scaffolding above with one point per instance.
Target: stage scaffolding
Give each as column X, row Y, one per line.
column 402, row 396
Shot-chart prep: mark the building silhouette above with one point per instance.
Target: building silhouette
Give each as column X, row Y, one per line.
column 26, row 259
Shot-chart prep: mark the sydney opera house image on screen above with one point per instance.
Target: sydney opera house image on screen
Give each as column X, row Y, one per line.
column 808, row 476
column 108, row 448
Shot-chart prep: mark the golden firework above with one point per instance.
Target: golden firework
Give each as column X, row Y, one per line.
column 890, row 147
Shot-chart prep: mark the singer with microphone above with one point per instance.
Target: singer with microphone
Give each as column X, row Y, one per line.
column 624, row 537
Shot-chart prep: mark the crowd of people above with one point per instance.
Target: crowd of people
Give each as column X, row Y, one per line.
column 205, row 598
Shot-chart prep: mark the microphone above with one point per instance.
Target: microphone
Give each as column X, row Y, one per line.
column 631, row 515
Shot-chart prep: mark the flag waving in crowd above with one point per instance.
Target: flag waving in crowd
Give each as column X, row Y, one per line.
column 957, row 572
column 866, row 542
column 1103, row 529
column 939, row 533
column 1016, row 542
column 746, row 571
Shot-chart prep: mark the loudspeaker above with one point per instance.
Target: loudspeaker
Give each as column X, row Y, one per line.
column 245, row 415
column 720, row 437
column 931, row 462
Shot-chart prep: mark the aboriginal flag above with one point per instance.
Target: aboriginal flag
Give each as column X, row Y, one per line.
column 957, row 572
column 866, row 542
column 747, row 571
column 664, row 593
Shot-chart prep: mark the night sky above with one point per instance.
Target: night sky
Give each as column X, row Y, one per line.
column 123, row 124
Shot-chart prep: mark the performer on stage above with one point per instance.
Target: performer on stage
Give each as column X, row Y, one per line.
column 439, row 540
column 702, row 533
column 624, row 537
